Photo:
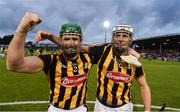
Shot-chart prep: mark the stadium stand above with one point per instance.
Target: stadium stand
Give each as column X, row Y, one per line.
column 164, row 47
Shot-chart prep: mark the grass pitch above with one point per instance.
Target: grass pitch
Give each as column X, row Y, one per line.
column 163, row 79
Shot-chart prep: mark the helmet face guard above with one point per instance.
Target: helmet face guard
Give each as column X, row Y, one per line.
column 121, row 46
column 123, row 28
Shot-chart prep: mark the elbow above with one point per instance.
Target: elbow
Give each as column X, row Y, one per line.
column 11, row 67
column 13, row 64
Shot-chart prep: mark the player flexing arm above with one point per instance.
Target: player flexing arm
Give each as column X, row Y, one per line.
column 16, row 61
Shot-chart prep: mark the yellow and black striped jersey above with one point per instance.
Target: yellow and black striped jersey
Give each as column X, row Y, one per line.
column 67, row 79
column 114, row 76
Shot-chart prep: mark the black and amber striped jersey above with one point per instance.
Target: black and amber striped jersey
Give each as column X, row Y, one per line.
column 114, row 76
column 67, row 79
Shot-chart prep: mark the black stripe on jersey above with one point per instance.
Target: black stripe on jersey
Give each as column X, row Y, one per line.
column 52, row 76
column 80, row 95
column 47, row 61
column 73, row 90
column 68, row 102
column 84, row 60
column 119, row 66
column 103, row 58
column 96, row 51
column 106, row 80
column 123, row 93
column 114, row 90
column 64, row 74
column 128, row 69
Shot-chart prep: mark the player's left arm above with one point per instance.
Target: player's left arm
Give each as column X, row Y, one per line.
column 145, row 92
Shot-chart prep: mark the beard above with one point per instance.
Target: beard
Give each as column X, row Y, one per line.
column 70, row 51
column 119, row 50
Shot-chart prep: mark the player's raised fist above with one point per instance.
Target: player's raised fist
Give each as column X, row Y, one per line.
column 28, row 22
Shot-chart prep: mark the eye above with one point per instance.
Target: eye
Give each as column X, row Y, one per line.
column 66, row 39
column 75, row 39
column 125, row 36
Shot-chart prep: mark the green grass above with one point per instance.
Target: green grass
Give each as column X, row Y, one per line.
column 163, row 79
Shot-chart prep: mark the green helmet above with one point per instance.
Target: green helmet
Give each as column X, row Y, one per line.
column 70, row 28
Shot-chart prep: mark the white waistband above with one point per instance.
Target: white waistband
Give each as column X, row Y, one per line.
column 81, row 108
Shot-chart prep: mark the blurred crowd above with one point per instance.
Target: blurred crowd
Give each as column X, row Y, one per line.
column 164, row 55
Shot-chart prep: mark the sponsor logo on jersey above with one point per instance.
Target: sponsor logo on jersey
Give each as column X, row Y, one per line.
column 73, row 81
column 118, row 77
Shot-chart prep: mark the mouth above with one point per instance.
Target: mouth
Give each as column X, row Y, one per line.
column 119, row 45
column 71, row 48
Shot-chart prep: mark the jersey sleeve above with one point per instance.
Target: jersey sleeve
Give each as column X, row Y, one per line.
column 46, row 62
column 139, row 71
column 96, row 52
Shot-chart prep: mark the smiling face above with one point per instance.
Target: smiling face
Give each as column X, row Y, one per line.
column 70, row 45
column 121, row 41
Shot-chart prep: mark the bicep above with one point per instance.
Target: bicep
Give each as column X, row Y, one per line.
column 31, row 64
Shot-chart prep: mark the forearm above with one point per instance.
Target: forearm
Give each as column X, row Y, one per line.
column 15, row 53
column 146, row 97
column 86, row 48
column 54, row 39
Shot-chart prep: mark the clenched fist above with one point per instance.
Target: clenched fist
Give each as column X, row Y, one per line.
column 28, row 22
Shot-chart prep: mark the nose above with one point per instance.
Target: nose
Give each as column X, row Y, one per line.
column 121, row 36
column 71, row 42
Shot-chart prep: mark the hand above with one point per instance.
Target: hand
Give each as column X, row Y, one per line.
column 134, row 53
column 41, row 35
column 28, row 22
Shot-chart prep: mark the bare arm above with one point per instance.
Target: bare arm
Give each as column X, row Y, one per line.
column 145, row 93
column 86, row 48
column 15, row 54
column 41, row 35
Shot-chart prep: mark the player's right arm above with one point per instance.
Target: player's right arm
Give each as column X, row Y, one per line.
column 42, row 35
column 16, row 61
